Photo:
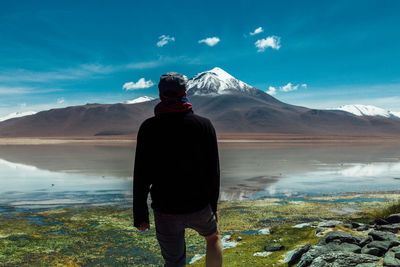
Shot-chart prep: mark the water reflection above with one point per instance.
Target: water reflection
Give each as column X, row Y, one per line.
column 74, row 175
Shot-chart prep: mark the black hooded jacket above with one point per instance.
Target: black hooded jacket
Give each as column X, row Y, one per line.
column 177, row 162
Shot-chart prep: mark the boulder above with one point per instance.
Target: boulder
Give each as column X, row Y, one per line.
column 365, row 241
column 273, row 247
column 390, row 260
column 342, row 258
column 380, row 222
column 372, row 251
column 394, row 228
column 396, row 251
column 318, row 250
column 377, row 247
column 329, row 224
column 336, row 246
column 394, row 218
column 293, row 256
column 383, row 236
column 341, row 237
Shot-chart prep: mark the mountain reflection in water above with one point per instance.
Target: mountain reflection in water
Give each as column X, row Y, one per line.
column 55, row 175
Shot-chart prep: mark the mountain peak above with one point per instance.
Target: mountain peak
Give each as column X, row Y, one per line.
column 217, row 82
column 368, row 110
column 139, row 100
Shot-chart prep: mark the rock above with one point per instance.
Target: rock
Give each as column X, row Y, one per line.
column 356, row 225
column 293, row 256
column 382, row 245
column 262, row 254
column 273, row 247
column 366, row 265
column 329, row 224
column 302, row 225
column 363, row 227
column 396, row 251
column 385, row 236
column 318, row 250
column 372, row 251
column 341, row 237
column 394, row 228
column 365, row 241
column 239, row 238
column 264, row 231
column 394, row 218
column 342, row 258
column 380, row 222
column 390, row 260
column 336, row 246
column 307, row 258
column 377, row 248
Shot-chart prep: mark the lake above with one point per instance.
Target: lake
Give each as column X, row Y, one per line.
column 43, row 176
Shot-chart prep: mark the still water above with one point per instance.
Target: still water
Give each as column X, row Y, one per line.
column 62, row 175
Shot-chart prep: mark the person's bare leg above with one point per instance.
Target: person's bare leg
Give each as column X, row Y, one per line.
column 214, row 250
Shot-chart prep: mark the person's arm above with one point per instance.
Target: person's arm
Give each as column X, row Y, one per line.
column 213, row 165
column 141, row 183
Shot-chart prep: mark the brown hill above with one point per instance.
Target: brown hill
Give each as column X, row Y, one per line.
column 231, row 113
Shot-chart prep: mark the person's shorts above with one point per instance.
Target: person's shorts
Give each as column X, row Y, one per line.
column 170, row 230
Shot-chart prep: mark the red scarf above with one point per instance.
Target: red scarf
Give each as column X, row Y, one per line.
column 173, row 104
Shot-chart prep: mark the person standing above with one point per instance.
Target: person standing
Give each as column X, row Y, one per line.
column 177, row 161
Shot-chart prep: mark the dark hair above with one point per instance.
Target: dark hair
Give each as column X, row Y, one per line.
column 172, row 84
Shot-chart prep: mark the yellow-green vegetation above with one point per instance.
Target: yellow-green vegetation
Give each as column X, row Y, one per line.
column 105, row 236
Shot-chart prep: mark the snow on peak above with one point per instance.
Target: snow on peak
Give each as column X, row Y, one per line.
column 17, row 115
column 216, row 82
column 368, row 110
column 139, row 100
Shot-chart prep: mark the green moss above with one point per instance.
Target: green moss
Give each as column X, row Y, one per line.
column 105, row 235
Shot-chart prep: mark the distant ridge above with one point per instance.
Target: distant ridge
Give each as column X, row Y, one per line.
column 368, row 110
column 232, row 105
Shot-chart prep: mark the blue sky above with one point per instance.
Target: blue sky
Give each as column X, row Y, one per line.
column 62, row 53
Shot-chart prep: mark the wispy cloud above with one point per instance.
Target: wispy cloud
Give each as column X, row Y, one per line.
column 61, row 100
column 210, row 41
column 160, row 61
column 257, row 31
column 21, row 90
column 271, row 41
column 164, row 40
column 289, row 87
column 271, row 90
column 304, row 85
column 140, row 84
column 79, row 72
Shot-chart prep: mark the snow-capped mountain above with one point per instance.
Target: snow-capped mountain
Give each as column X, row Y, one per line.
column 217, row 82
column 17, row 115
column 368, row 110
column 139, row 100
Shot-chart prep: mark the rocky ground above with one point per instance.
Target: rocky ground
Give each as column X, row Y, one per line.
column 347, row 230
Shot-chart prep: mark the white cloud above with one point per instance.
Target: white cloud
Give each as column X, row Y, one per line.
column 257, row 31
column 21, row 90
column 271, row 41
column 271, row 90
column 211, row 41
column 289, row 87
column 140, row 84
column 165, row 39
column 60, row 100
column 304, row 85
column 73, row 73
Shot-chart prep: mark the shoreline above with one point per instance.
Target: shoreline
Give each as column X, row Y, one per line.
column 223, row 139
column 83, row 235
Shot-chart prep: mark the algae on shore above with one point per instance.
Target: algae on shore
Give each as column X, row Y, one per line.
column 105, row 236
